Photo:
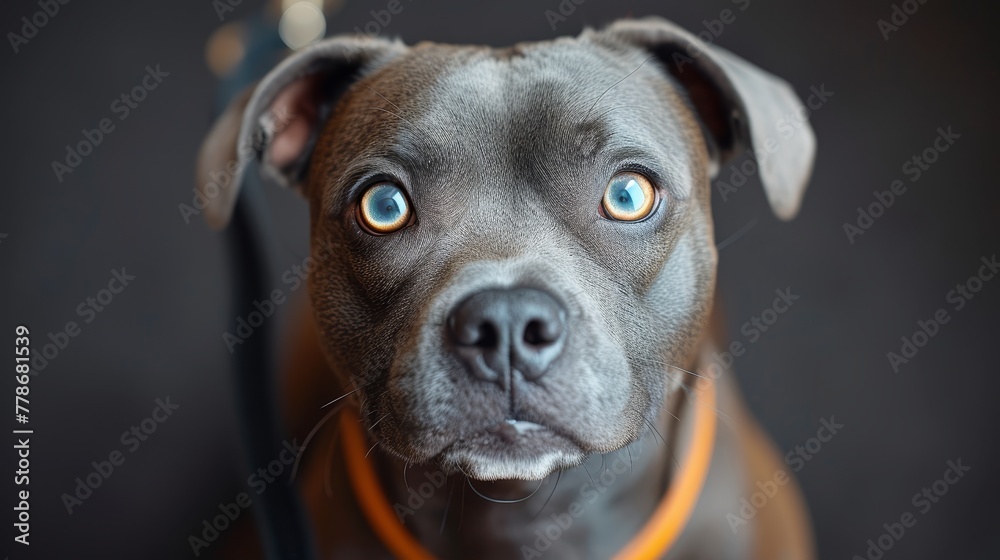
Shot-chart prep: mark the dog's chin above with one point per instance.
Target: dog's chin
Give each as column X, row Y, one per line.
column 514, row 450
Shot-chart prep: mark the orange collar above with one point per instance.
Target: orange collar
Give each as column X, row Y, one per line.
column 652, row 541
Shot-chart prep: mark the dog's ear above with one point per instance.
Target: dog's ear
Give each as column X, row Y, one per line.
column 277, row 121
column 743, row 109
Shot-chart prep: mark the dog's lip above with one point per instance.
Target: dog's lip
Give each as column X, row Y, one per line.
column 513, row 449
column 511, row 428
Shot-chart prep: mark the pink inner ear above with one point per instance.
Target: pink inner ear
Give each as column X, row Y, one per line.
column 297, row 103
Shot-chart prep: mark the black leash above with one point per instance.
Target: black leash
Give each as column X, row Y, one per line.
column 279, row 514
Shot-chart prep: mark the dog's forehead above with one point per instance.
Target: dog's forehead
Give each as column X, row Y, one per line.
column 548, row 94
column 488, row 86
column 525, row 102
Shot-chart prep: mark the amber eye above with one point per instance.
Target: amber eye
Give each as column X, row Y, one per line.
column 629, row 197
column 384, row 209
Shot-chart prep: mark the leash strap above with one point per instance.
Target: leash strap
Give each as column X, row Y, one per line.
column 282, row 519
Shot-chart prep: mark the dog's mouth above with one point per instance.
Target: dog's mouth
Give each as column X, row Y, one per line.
column 513, row 450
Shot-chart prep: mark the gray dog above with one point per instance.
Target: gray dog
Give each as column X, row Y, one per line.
column 514, row 275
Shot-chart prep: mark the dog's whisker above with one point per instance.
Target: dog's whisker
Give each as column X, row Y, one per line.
column 366, row 398
column 429, row 136
column 552, row 493
column 461, row 514
column 586, row 470
column 598, row 100
column 673, row 456
column 384, row 98
column 670, row 449
column 372, row 449
column 698, row 375
column 386, row 415
column 352, row 381
column 672, row 415
column 447, row 506
column 468, row 480
column 661, row 363
column 312, row 433
column 655, row 431
column 351, row 392
column 611, row 110
column 716, row 410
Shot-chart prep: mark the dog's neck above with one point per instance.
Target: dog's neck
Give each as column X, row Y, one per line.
column 591, row 510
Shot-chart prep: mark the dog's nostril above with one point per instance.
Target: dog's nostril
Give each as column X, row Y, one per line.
column 486, row 336
column 540, row 333
column 532, row 333
column 473, row 332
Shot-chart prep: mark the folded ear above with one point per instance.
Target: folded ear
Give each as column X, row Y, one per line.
column 742, row 108
column 276, row 123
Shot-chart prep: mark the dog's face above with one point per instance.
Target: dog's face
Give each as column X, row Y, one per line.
column 503, row 160
column 512, row 247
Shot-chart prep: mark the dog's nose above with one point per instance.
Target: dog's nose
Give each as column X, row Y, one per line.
column 496, row 331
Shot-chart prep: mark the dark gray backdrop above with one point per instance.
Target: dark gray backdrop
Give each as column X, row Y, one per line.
column 825, row 357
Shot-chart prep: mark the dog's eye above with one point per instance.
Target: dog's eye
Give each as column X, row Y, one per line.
column 384, row 209
column 629, row 197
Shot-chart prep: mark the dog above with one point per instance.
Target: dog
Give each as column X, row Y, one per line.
column 512, row 293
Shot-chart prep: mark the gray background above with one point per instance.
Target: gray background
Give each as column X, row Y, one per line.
column 827, row 356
